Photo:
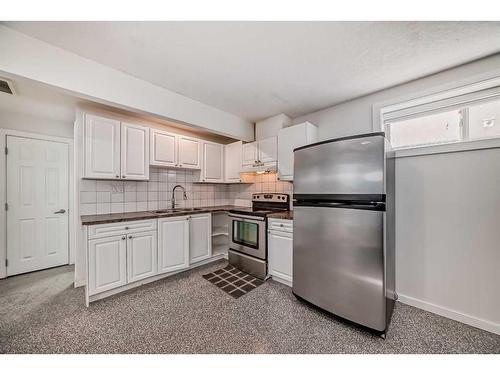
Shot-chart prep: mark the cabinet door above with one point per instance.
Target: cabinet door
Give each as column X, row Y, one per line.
column 173, row 244
column 249, row 153
column 232, row 162
column 107, row 264
column 142, row 256
column 200, row 237
column 135, row 152
column 268, row 150
column 101, row 148
column 189, row 152
column 163, row 148
column 213, row 162
column 281, row 256
column 289, row 139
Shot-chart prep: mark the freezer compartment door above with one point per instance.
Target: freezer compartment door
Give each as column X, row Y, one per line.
column 352, row 166
column 338, row 262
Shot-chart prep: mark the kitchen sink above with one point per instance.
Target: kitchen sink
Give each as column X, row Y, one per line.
column 167, row 211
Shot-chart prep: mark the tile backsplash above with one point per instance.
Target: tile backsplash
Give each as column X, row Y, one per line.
column 103, row 197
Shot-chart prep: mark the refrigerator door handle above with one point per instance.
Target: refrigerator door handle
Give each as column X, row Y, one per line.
column 375, row 206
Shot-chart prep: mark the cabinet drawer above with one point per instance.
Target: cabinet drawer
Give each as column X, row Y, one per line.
column 281, row 225
column 115, row 229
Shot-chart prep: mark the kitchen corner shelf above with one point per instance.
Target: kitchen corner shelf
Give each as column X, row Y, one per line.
column 220, row 231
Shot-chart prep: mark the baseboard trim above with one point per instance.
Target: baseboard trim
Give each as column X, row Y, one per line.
column 451, row 314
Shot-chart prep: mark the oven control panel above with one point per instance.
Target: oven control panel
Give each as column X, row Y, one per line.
column 270, row 197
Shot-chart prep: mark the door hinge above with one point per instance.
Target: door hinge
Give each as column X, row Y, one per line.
column 6, row 151
column 6, row 206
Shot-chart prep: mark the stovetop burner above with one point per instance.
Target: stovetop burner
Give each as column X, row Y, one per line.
column 264, row 204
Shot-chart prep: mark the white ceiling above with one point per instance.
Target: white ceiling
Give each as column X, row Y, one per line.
column 259, row 69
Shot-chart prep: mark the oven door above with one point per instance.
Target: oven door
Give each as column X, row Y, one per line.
column 247, row 235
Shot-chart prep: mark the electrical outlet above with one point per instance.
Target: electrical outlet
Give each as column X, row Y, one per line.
column 117, row 187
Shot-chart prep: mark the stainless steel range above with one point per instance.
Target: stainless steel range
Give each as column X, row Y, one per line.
column 248, row 232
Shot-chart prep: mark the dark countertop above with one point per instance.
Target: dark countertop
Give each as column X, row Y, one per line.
column 143, row 215
column 285, row 215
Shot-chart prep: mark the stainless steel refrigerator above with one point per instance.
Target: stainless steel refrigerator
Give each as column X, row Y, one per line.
column 344, row 238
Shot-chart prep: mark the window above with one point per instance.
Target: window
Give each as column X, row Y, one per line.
column 461, row 115
column 484, row 120
column 426, row 130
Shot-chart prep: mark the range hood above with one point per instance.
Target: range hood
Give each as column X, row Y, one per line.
column 260, row 167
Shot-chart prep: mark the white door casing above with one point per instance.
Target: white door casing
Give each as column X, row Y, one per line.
column 134, row 152
column 37, row 194
column 200, row 237
column 173, row 244
column 102, row 148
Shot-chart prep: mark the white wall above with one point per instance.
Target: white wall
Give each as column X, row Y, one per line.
column 448, row 208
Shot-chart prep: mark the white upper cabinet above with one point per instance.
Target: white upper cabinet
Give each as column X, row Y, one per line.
column 134, row 152
column 232, row 164
column 268, row 150
column 189, row 152
column 289, row 139
column 249, row 153
column 115, row 150
column 163, row 148
column 101, row 148
column 213, row 162
column 200, row 237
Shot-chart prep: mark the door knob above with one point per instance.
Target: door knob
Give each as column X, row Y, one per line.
column 61, row 211
column 123, row 237
column 129, row 237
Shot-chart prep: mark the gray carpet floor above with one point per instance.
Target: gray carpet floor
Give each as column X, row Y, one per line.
column 41, row 312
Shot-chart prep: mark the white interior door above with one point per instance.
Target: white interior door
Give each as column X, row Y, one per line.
column 37, row 198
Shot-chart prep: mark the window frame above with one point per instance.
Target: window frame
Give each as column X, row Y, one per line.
column 434, row 98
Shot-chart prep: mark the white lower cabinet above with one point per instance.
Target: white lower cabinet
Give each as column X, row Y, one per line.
column 124, row 253
column 173, row 244
column 280, row 248
column 142, row 253
column 107, row 264
column 200, row 237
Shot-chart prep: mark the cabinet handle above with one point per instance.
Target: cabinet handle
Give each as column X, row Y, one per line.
column 129, row 237
column 123, row 237
column 117, row 176
column 126, row 228
column 123, row 176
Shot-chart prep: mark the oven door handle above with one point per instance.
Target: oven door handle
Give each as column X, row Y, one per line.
column 247, row 218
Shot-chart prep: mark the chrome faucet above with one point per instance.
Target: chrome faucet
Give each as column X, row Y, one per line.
column 173, row 194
